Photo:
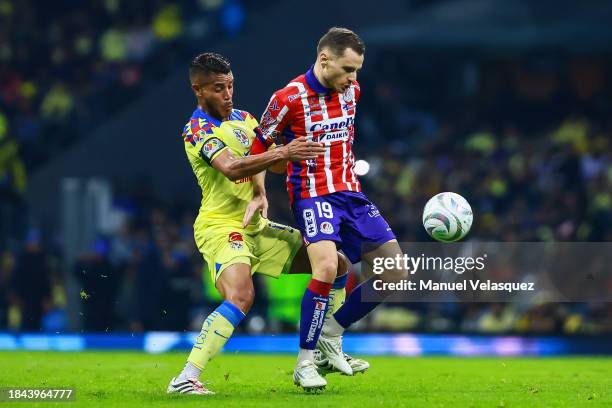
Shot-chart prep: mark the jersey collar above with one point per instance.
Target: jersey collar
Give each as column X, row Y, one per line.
column 199, row 113
column 314, row 83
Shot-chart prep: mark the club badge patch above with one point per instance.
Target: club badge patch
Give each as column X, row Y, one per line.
column 211, row 147
column 348, row 95
column 327, row 228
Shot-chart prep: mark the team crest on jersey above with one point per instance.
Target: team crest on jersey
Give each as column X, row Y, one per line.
column 242, row 137
column 327, row 228
column 348, row 95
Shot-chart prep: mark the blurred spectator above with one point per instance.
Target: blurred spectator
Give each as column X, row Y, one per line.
column 12, row 188
column 32, row 283
column 98, row 282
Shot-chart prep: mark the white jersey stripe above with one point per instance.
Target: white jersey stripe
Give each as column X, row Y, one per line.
column 312, row 189
column 327, row 155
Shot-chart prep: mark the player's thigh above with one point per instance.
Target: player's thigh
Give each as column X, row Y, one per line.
column 223, row 247
column 389, row 249
column 275, row 248
column 323, row 258
column 364, row 229
column 236, row 285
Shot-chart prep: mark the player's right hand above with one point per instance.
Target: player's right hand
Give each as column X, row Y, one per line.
column 303, row 149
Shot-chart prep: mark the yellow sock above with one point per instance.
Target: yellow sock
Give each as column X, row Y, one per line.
column 216, row 331
column 337, row 295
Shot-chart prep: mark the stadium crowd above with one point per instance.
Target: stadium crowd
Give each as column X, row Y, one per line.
column 528, row 143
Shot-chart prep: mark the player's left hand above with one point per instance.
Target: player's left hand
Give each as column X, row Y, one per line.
column 259, row 202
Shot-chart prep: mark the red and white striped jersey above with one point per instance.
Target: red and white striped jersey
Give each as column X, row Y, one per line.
column 307, row 108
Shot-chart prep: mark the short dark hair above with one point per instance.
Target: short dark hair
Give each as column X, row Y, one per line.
column 209, row 63
column 338, row 39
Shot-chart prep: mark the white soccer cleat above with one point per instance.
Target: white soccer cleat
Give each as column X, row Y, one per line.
column 358, row 365
column 331, row 349
column 188, row 386
column 306, row 376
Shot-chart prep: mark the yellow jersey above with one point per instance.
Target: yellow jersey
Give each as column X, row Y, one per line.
column 223, row 201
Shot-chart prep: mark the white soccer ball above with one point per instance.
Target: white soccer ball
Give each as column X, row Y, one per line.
column 447, row 217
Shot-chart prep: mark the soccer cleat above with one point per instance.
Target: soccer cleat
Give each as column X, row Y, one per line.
column 331, row 349
column 188, row 386
column 306, row 376
column 358, row 365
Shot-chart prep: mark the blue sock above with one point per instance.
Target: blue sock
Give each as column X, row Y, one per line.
column 354, row 308
column 314, row 306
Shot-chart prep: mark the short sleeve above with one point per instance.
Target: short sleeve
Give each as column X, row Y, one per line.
column 204, row 140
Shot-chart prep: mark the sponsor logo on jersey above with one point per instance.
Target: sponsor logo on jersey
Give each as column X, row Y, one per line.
column 242, row 137
column 373, row 212
column 243, row 180
column 234, row 237
column 292, row 98
column 310, row 223
column 274, row 106
column 327, row 228
column 329, row 125
column 333, row 136
column 267, row 120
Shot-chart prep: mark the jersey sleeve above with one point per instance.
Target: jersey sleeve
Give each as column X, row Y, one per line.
column 274, row 119
column 203, row 140
column 357, row 91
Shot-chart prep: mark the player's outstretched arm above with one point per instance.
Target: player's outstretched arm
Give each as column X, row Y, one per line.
column 259, row 201
column 235, row 168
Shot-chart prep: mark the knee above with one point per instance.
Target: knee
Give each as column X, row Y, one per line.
column 242, row 297
column 326, row 270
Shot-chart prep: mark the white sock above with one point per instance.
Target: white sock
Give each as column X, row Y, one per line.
column 190, row 371
column 305, row 354
column 331, row 328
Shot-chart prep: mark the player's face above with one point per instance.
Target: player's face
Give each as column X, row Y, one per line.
column 214, row 93
column 340, row 71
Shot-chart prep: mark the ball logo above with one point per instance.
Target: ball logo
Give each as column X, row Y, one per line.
column 327, row 228
column 242, row 137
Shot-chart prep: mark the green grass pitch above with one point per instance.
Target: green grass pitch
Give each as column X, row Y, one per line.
column 127, row 379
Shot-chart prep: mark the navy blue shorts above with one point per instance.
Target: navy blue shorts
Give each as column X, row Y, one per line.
column 346, row 217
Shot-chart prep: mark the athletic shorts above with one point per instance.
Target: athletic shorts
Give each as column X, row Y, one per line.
column 269, row 251
column 346, row 217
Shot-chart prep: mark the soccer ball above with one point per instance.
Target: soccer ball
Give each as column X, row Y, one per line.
column 447, row 217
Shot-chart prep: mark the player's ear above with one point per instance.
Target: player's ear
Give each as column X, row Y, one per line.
column 323, row 59
column 196, row 89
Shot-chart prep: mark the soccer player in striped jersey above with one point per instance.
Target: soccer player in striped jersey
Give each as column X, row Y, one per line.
column 325, row 194
column 234, row 239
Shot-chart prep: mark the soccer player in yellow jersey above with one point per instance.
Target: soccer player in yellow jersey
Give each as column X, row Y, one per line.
column 234, row 239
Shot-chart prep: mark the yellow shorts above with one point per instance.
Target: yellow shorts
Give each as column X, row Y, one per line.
column 269, row 251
